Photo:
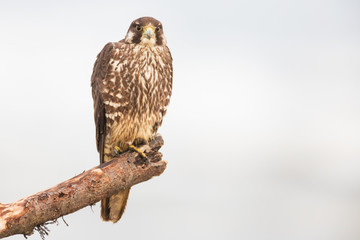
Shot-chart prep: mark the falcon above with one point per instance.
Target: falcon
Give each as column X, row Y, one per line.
column 131, row 88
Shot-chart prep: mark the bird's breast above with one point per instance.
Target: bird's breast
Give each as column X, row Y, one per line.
column 133, row 94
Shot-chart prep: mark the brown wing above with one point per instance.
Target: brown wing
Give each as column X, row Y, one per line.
column 99, row 73
column 166, row 86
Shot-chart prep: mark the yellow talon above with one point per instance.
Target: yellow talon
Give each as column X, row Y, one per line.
column 117, row 148
column 137, row 150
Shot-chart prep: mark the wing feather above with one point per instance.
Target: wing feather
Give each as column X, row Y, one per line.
column 99, row 73
column 166, row 87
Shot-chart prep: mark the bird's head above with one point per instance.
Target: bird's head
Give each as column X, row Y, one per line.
column 146, row 31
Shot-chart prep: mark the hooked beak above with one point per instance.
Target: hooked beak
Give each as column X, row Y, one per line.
column 149, row 32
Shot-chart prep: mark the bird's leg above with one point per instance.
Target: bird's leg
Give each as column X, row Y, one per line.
column 123, row 147
column 137, row 150
column 117, row 150
column 120, row 148
column 138, row 142
column 147, row 161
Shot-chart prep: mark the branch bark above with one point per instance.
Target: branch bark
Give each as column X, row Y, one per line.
column 87, row 188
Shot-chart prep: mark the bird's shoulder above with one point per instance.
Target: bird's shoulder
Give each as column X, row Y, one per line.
column 110, row 52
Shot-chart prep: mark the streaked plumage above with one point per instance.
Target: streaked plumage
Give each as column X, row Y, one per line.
column 131, row 87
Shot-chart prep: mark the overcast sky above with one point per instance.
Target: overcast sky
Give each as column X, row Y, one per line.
column 262, row 135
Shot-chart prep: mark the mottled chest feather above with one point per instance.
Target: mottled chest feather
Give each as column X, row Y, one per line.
column 136, row 89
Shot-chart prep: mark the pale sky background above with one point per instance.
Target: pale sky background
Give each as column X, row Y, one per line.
column 262, row 136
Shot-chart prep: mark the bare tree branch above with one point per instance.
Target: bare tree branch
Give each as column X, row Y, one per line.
column 22, row 216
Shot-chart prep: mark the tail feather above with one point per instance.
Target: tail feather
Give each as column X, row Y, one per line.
column 112, row 208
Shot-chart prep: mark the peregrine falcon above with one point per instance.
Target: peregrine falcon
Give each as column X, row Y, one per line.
column 131, row 88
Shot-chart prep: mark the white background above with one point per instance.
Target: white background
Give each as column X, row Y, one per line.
column 262, row 136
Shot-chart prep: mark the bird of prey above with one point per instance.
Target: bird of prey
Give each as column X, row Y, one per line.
column 131, row 88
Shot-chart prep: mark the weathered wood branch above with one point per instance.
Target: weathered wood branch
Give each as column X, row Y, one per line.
column 22, row 216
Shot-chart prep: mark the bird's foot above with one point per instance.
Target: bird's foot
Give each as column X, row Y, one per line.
column 117, row 151
column 142, row 154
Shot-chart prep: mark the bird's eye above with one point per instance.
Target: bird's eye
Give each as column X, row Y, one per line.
column 157, row 29
column 138, row 27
